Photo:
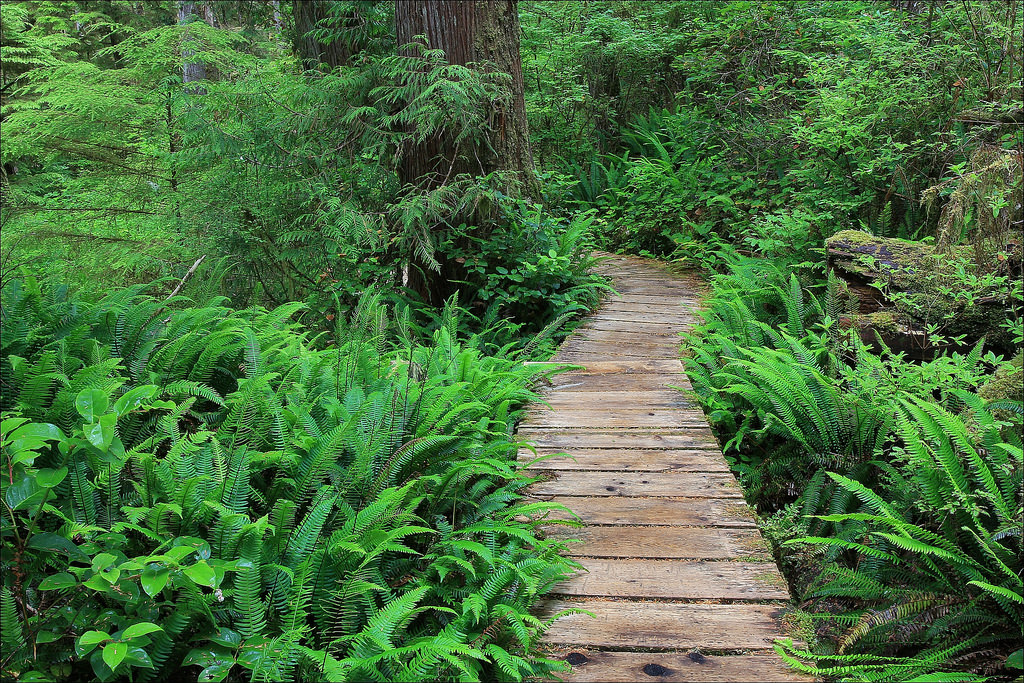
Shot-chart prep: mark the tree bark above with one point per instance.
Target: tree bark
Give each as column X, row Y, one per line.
column 469, row 32
column 190, row 70
column 308, row 15
column 278, row 19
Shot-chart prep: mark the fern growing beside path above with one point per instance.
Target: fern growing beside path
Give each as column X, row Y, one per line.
column 199, row 488
column 895, row 490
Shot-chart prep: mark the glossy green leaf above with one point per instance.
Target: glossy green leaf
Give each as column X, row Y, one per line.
column 49, row 478
column 114, row 653
column 140, row 629
column 88, row 640
column 201, row 574
column 58, row 544
column 101, row 433
column 58, row 581
column 91, row 403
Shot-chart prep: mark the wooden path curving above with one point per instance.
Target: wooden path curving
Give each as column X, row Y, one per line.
column 680, row 581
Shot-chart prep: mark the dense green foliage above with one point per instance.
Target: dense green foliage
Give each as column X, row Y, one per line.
column 202, row 487
column 901, row 484
column 775, row 124
column 240, row 438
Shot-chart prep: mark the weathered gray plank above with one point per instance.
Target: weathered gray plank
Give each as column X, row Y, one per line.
column 686, row 542
column 677, row 579
column 622, row 510
column 660, row 484
column 624, row 623
column 625, row 460
column 601, row 666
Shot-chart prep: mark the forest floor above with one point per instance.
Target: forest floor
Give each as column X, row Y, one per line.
column 680, row 582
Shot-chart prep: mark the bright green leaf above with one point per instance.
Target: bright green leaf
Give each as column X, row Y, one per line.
column 113, row 654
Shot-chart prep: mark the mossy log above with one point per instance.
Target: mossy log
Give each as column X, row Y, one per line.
column 873, row 266
column 863, row 260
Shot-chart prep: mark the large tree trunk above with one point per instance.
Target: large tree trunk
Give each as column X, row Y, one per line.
column 308, row 15
column 468, row 31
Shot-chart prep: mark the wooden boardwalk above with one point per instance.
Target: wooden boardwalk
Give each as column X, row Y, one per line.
column 681, row 583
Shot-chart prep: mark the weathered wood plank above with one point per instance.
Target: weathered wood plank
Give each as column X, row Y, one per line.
column 660, row 484
column 615, row 326
column 656, row 367
column 699, row 436
column 638, row 396
column 623, row 460
column 676, row 579
column 680, row 321
column 622, row 623
column 667, row 308
column 574, row 356
column 580, row 349
column 621, row 418
column 668, row 297
column 625, row 511
column 600, row 666
column 640, row 338
column 611, row 383
column 660, row 542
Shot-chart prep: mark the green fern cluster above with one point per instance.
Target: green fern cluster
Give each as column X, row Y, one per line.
column 762, row 365
column 900, row 488
column 196, row 486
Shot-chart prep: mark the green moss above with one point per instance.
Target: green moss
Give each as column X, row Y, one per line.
column 923, row 287
column 1007, row 382
column 873, row 256
column 883, row 321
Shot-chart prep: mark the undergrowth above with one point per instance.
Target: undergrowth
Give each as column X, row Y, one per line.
column 193, row 488
column 892, row 489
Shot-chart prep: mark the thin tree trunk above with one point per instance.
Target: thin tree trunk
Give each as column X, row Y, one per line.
column 190, row 70
column 278, row 19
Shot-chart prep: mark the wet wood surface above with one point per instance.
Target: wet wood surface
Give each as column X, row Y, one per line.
column 673, row 562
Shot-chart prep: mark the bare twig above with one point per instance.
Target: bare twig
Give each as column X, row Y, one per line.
column 187, row 275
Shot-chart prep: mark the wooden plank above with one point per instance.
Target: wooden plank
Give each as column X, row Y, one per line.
column 669, row 296
column 660, row 542
column 661, row 484
column 621, row 623
column 611, row 383
column 643, row 338
column 553, row 441
column 600, row 666
column 574, row 356
column 583, row 349
column 618, row 326
column 677, row 384
column 623, row 460
column 625, row 511
column 565, row 401
column 598, row 367
column 669, row 310
column 621, row 418
column 683, row 322
column 675, row 579
column 657, row 397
